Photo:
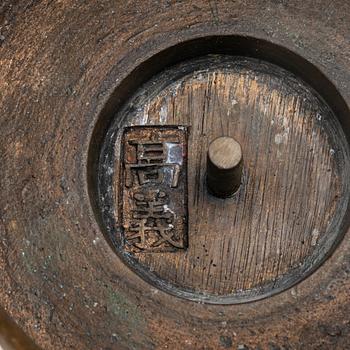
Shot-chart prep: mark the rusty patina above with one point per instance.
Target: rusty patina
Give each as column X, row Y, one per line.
column 154, row 189
column 61, row 63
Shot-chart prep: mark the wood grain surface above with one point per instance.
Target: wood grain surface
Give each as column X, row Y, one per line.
column 287, row 214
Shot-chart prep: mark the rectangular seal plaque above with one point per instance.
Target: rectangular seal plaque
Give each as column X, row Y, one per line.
column 154, row 188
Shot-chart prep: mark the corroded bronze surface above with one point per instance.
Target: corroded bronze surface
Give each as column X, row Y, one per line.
column 60, row 280
column 154, row 189
column 12, row 337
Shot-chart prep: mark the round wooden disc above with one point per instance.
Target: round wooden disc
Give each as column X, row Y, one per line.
column 286, row 216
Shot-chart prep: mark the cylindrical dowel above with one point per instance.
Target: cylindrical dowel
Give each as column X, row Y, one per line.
column 224, row 167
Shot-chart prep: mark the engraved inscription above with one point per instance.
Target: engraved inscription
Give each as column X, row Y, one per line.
column 154, row 196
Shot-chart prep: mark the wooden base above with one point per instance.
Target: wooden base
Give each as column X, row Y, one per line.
column 288, row 213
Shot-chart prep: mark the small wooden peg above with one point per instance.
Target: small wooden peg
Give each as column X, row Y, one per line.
column 224, row 166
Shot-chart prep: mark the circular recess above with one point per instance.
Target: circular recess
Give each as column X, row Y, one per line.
column 290, row 210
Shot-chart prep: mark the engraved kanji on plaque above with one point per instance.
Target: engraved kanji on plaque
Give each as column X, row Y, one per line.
column 154, row 196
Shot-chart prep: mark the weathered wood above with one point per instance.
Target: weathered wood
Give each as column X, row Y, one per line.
column 290, row 207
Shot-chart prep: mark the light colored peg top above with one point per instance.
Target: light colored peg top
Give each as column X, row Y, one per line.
column 225, row 152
